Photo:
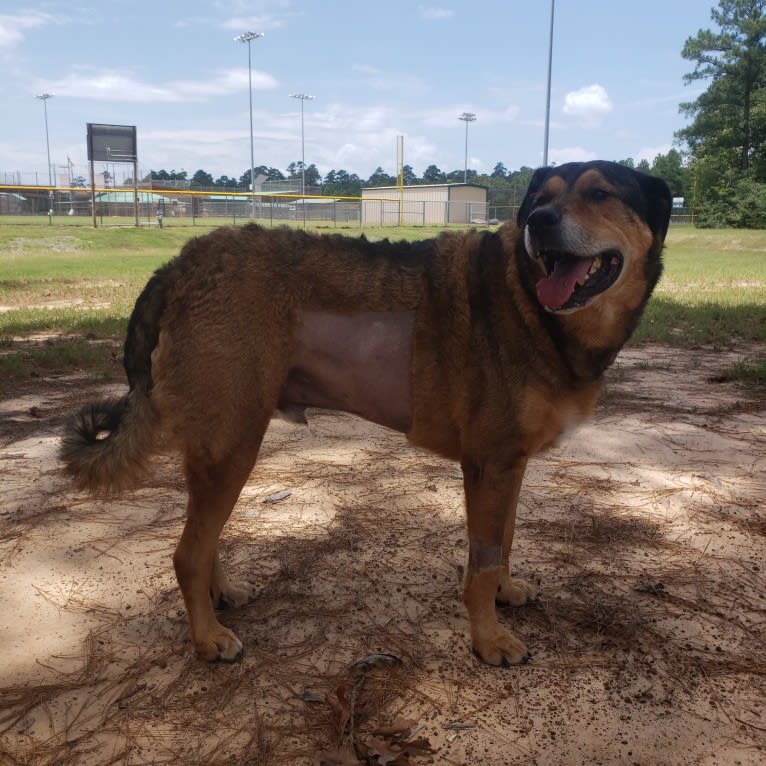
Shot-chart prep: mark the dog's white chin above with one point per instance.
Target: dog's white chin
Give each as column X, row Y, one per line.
column 570, row 310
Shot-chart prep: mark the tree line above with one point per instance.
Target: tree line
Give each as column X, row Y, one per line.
column 506, row 187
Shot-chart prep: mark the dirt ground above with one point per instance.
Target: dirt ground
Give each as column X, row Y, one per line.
column 646, row 530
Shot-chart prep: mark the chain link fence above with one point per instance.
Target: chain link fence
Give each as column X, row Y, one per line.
column 171, row 203
column 176, row 207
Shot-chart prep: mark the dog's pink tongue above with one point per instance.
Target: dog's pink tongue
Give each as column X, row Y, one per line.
column 554, row 291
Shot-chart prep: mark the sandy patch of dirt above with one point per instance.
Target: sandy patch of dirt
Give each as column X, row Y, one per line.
column 63, row 303
column 646, row 530
column 56, row 244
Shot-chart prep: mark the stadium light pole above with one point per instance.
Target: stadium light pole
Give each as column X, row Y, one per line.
column 44, row 98
column 248, row 37
column 302, row 97
column 548, row 94
column 466, row 117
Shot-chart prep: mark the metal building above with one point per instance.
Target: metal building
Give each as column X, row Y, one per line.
column 426, row 204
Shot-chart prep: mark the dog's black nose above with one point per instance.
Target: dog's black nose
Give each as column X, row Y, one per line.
column 543, row 218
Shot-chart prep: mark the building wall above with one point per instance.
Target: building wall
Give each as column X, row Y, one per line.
column 468, row 204
column 437, row 204
column 13, row 204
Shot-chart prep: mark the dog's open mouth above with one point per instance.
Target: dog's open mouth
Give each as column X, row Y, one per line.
column 573, row 280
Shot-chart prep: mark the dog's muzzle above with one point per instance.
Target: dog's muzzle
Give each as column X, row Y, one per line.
column 573, row 279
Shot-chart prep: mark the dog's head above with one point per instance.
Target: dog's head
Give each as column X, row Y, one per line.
column 594, row 229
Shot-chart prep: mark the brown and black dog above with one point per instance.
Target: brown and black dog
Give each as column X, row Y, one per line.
column 483, row 347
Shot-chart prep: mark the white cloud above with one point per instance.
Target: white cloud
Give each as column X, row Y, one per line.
column 435, row 14
column 224, row 150
column 589, row 104
column 357, row 155
column 192, row 136
column 369, row 138
column 570, row 154
column 366, row 69
column 381, row 80
column 494, row 116
column 648, row 153
column 123, row 86
column 255, row 23
column 12, row 28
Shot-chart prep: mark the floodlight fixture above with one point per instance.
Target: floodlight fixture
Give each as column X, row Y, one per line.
column 302, row 97
column 248, row 37
column 466, row 117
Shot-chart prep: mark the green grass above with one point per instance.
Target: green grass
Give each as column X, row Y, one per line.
column 58, row 356
column 750, row 372
column 712, row 291
column 75, row 282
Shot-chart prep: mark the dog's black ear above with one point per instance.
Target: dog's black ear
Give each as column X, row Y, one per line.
column 539, row 177
column 659, row 203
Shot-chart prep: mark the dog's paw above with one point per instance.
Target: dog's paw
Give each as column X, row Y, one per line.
column 221, row 645
column 234, row 594
column 500, row 647
column 513, row 591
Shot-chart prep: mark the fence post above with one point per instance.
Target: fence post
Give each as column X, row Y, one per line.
column 93, row 192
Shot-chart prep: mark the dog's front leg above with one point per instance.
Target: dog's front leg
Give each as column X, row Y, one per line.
column 490, row 491
column 513, row 591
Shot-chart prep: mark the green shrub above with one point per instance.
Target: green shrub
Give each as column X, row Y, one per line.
column 741, row 205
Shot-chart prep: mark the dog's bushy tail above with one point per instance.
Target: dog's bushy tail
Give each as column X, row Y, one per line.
column 106, row 446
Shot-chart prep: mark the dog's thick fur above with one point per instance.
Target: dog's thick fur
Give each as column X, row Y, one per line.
column 483, row 347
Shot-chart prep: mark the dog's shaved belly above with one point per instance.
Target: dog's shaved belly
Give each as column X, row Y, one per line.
column 359, row 363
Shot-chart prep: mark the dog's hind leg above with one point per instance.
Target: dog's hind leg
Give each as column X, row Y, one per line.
column 214, row 487
column 226, row 593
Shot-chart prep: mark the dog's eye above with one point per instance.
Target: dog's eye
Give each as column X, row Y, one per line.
column 599, row 195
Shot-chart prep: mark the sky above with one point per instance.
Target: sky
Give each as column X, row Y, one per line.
column 377, row 70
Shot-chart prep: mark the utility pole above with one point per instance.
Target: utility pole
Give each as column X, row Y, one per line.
column 548, row 95
column 44, row 98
